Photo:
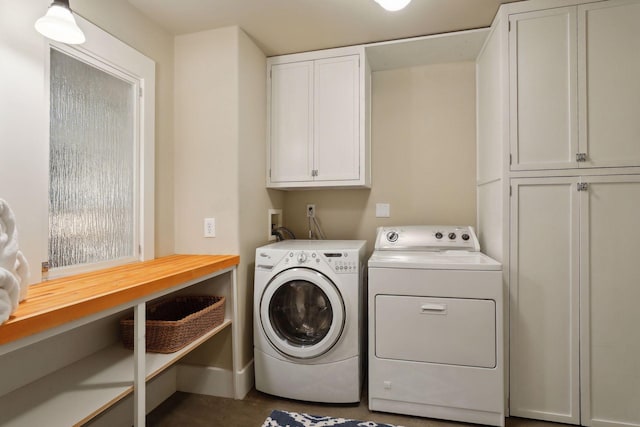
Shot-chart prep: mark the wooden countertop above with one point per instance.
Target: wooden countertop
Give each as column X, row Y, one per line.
column 55, row 302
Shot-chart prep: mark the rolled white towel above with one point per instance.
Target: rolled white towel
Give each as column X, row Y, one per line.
column 9, row 294
column 8, row 237
column 5, row 306
column 11, row 258
column 22, row 274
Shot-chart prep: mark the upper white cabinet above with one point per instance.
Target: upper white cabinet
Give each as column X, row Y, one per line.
column 609, row 87
column 543, row 78
column 575, row 95
column 318, row 118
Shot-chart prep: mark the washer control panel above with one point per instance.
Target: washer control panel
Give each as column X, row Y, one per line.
column 427, row 238
column 340, row 262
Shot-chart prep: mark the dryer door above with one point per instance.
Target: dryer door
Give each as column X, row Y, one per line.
column 302, row 313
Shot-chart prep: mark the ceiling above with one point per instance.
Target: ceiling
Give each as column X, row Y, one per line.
column 287, row 26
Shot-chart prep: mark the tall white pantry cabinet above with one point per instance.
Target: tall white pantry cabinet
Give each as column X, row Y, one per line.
column 559, row 203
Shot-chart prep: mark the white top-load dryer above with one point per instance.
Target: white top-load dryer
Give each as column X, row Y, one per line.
column 435, row 325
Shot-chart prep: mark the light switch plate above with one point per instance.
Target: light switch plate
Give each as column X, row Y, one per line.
column 383, row 210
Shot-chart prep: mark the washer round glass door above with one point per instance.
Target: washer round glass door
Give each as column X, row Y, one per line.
column 302, row 313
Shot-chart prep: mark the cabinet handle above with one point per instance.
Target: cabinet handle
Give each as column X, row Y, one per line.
column 581, row 157
column 433, row 308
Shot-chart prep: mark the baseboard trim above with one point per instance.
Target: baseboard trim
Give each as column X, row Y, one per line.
column 246, row 380
column 215, row 381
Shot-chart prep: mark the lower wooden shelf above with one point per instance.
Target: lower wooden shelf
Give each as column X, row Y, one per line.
column 75, row 394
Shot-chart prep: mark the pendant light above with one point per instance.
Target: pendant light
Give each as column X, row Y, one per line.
column 393, row 5
column 58, row 24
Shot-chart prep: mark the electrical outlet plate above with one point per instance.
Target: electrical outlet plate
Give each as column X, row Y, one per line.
column 383, row 210
column 209, row 227
column 311, row 211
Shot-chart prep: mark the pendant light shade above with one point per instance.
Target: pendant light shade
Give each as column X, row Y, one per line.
column 58, row 24
column 393, row 5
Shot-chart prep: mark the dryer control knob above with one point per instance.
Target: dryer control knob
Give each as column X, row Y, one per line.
column 465, row 237
column 392, row 236
column 302, row 257
column 452, row 236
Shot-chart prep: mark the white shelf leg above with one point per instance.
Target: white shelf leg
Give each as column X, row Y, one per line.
column 235, row 334
column 139, row 351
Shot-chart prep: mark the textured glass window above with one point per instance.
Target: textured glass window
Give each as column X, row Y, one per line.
column 92, row 165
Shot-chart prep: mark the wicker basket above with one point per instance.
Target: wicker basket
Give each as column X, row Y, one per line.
column 173, row 323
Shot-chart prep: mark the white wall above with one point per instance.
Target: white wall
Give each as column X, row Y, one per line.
column 491, row 133
column 24, row 149
column 220, row 159
column 254, row 200
column 206, row 134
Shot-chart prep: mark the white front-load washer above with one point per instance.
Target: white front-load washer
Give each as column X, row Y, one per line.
column 309, row 300
column 435, row 325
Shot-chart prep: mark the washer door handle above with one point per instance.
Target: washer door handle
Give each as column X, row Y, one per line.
column 433, row 308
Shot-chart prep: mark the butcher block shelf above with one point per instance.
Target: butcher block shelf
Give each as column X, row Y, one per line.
column 60, row 301
column 74, row 394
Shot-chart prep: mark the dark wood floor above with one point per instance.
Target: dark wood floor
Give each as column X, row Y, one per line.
column 194, row 410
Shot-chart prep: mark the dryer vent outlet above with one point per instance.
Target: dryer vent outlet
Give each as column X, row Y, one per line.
column 311, row 211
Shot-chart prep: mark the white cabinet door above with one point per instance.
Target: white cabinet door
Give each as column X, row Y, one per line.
column 543, row 96
column 544, row 298
column 609, row 66
column 291, row 122
column 337, row 124
column 610, row 293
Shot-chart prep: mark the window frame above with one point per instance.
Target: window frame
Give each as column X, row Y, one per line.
column 107, row 53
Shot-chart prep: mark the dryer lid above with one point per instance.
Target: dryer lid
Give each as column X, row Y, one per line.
column 443, row 260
